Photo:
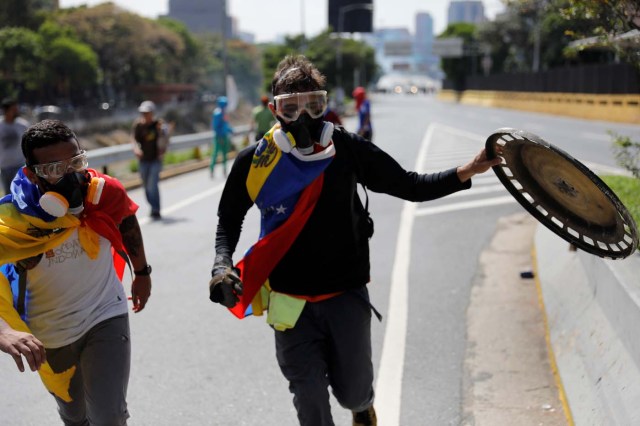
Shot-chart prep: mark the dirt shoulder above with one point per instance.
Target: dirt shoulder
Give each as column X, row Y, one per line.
column 508, row 374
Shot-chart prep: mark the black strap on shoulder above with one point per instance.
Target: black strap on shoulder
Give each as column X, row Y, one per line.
column 22, row 289
column 359, row 174
column 347, row 140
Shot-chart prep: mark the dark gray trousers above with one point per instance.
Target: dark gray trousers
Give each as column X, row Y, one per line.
column 330, row 345
column 102, row 358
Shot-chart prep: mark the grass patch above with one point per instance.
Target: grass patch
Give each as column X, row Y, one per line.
column 628, row 191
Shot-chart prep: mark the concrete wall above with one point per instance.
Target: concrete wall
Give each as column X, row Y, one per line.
column 593, row 315
column 618, row 108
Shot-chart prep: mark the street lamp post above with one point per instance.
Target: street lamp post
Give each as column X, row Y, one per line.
column 341, row 12
column 225, row 65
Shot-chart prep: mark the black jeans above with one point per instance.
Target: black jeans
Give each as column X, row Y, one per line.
column 330, row 345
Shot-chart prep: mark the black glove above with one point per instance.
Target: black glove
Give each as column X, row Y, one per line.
column 225, row 285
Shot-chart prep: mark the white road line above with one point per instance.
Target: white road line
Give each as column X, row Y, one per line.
column 476, row 191
column 389, row 382
column 463, row 133
column 389, row 379
column 485, row 179
column 186, row 202
column 452, row 155
column 465, row 205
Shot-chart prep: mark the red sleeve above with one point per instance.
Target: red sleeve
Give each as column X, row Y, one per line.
column 114, row 200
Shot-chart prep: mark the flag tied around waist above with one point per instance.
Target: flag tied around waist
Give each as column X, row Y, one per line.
column 285, row 185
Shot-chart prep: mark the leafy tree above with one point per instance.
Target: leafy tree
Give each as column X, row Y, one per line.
column 244, row 64
column 456, row 69
column 356, row 55
column 627, row 153
column 131, row 50
column 72, row 69
column 190, row 58
column 21, row 58
column 608, row 19
column 273, row 54
column 68, row 63
column 321, row 50
column 21, row 13
column 548, row 27
column 212, row 65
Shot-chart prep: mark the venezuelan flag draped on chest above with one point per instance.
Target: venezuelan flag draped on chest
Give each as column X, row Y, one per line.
column 285, row 185
column 26, row 230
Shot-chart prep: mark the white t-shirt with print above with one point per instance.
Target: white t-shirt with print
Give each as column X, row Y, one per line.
column 68, row 293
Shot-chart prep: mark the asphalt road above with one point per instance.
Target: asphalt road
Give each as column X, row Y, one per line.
column 195, row 364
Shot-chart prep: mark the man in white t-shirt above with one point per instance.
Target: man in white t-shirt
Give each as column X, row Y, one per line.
column 12, row 126
column 62, row 303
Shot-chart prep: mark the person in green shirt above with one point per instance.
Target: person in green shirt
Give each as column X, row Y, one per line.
column 262, row 118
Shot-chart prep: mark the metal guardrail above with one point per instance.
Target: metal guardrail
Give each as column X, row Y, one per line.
column 102, row 157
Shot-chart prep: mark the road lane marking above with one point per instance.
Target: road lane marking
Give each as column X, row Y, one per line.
column 389, row 382
column 463, row 133
column 390, row 371
column 465, row 205
column 186, row 202
column 483, row 189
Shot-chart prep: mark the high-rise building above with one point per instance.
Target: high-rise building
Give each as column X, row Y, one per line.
column 423, row 41
column 471, row 11
column 202, row 16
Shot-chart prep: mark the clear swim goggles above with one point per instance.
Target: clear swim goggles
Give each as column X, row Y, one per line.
column 289, row 106
column 58, row 169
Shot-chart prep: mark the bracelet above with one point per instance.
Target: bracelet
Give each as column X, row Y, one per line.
column 144, row 272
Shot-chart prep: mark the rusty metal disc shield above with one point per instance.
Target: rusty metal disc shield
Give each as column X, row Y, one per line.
column 563, row 194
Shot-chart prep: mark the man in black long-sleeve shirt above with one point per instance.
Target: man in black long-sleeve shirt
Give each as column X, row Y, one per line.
column 320, row 266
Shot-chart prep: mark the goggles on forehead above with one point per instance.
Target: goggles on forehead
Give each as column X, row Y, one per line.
column 57, row 169
column 290, row 105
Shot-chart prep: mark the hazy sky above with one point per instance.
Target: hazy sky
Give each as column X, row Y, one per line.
column 268, row 19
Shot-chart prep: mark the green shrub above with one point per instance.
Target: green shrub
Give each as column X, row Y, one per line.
column 627, row 153
column 628, row 191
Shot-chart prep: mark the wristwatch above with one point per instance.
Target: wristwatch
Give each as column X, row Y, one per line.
column 144, row 272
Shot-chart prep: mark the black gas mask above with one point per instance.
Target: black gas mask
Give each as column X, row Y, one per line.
column 305, row 131
column 67, row 194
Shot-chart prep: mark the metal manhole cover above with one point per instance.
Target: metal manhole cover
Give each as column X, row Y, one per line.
column 563, row 194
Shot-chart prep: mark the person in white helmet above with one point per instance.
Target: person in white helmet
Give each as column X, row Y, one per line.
column 150, row 141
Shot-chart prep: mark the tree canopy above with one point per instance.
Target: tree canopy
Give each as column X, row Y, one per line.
column 322, row 50
column 103, row 53
column 535, row 35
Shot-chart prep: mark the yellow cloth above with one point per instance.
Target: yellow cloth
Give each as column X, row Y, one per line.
column 263, row 164
column 56, row 383
column 260, row 302
column 20, row 239
column 284, row 310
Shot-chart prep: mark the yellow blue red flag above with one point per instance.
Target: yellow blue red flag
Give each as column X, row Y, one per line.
column 285, row 185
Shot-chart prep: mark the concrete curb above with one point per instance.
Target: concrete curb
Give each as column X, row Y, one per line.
column 593, row 311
